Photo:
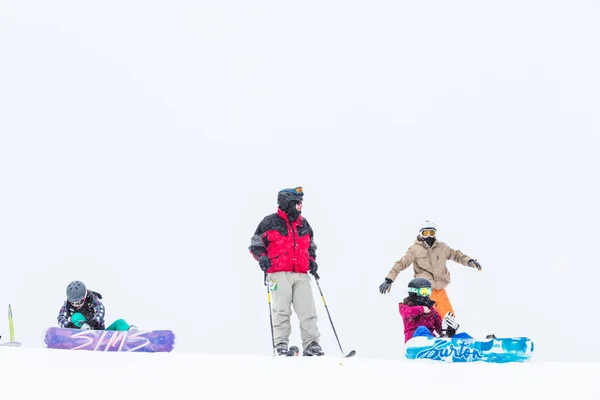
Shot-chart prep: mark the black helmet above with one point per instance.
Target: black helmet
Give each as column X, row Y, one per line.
column 287, row 199
column 419, row 290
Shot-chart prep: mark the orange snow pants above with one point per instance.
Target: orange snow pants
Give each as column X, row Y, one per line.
column 442, row 302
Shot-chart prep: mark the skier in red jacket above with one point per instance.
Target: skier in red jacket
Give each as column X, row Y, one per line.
column 284, row 247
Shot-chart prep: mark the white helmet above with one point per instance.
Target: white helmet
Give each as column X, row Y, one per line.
column 427, row 225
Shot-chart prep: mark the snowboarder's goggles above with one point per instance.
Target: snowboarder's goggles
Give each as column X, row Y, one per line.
column 78, row 303
column 422, row 291
column 298, row 191
column 428, row 232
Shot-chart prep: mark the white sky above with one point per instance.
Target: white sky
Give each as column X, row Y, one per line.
column 142, row 142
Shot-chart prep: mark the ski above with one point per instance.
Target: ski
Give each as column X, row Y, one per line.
column 294, row 351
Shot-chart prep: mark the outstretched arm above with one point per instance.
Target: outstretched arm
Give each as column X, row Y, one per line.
column 401, row 265
column 461, row 258
column 458, row 256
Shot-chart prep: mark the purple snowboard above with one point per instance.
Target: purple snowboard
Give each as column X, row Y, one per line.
column 125, row 341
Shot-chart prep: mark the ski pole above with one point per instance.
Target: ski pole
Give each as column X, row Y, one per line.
column 11, row 326
column 270, row 315
column 329, row 315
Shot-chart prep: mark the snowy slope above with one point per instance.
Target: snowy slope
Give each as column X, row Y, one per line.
column 53, row 374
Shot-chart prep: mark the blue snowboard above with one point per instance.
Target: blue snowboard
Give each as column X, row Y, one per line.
column 498, row 350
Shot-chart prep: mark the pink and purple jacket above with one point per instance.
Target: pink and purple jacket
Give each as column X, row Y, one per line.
column 414, row 316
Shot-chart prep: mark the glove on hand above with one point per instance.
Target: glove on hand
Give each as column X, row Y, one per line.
column 386, row 286
column 85, row 327
column 474, row 264
column 265, row 263
column 93, row 323
column 70, row 325
column 313, row 267
column 449, row 325
column 450, row 321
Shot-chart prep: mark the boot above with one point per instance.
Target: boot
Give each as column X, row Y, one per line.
column 313, row 349
column 282, row 349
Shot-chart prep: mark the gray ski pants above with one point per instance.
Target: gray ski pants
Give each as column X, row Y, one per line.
column 293, row 288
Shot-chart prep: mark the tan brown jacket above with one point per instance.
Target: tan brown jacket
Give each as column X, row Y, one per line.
column 429, row 262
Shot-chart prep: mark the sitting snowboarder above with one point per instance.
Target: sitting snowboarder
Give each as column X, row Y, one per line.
column 83, row 309
column 419, row 316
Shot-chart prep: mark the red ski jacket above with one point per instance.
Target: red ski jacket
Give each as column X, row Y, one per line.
column 289, row 246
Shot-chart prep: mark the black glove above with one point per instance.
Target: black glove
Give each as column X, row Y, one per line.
column 265, row 263
column 93, row 323
column 313, row 267
column 70, row 325
column 474, row 264
column 385, row 286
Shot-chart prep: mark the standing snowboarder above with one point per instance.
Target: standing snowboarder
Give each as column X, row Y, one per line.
column 428, row 257
column 83, row 309
column 284, row 248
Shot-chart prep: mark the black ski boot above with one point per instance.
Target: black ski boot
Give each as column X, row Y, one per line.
column 282, row 349
column 313, row 349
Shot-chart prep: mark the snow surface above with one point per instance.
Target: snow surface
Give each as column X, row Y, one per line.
column 56, row 374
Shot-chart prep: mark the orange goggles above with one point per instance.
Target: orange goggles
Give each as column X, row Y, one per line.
column 428, row 232
column 423, row 291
